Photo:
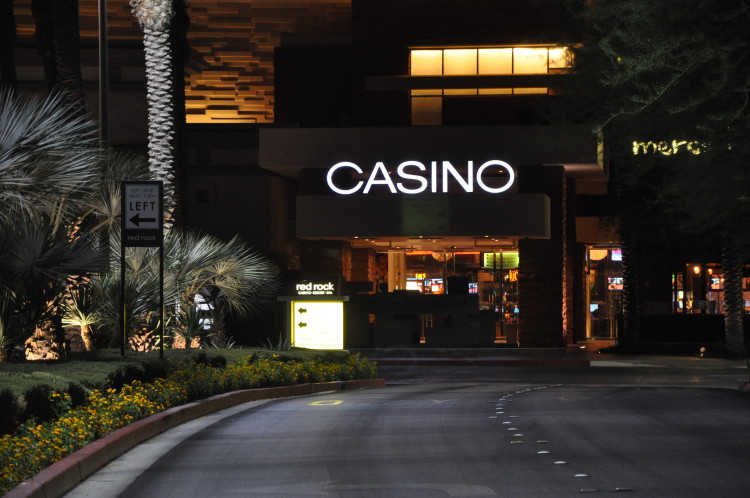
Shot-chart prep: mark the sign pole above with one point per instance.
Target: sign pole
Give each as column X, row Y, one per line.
column 161, row 301
column 123, row 310
column 142, row 226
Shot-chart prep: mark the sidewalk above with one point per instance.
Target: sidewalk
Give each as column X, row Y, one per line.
column 572, row 356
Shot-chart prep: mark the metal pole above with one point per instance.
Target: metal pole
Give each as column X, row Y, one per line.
column 123, row 310
column 103, row 76
column 161, row 301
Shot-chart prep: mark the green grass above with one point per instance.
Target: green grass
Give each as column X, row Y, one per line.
column 92, row 369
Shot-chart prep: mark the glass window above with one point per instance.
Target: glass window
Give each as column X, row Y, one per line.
column 427, row 111
column 480, row 61
column 495, row 61
column 426, row 63
column 530, row 60
column 603, row 291
column 459, row 62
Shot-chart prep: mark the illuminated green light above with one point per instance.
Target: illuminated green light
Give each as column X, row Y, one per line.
column 509, row 260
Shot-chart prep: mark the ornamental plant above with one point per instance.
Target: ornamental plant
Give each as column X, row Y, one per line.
column 35, row 445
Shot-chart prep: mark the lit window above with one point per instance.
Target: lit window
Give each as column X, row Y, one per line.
column 559, row 58
column 459, row 61
column 479, row 61
column 495, row 61
column 426, row 111
column 487, row 61
column 530, row 60
column 426, row 62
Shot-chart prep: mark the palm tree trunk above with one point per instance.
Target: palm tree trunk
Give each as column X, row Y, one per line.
column 45, row 39
column 734, row 312
column 628, row 339
column 155, row 18
column 160, row 115
column 68, row 52
column 7, row 41
column 87, row 337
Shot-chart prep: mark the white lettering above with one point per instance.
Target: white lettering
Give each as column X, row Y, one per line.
column 409, row 171
column 315, row 289
column 379, row 167
column 502, row 164
column 422, row 180
column 467, row 185
column 344, row 164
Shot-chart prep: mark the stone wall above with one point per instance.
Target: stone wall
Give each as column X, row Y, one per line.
column 541, row 265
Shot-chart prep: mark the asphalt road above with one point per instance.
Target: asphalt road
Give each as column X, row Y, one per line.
column 515, row 432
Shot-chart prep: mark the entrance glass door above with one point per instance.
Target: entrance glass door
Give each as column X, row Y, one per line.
column 603, row 291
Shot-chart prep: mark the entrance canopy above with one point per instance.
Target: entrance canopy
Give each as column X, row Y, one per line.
column 462, row 221
column 411, row 169
column 286, row 151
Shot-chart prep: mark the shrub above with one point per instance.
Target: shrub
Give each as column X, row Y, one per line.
column 8, row 412
column 78, row 394
column 125, row 375
column 35, row 446
column 42, row 403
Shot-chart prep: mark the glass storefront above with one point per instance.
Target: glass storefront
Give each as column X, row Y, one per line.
column 699, row 289
column 604, row 283
column 491, row 276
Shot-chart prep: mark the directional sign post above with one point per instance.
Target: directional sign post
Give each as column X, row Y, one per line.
column 142, row 214
column 318, row 324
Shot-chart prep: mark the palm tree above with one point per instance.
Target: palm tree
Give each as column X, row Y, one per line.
column 37, row 257
column 47, row 154
column 155, row 18
column 230, row 277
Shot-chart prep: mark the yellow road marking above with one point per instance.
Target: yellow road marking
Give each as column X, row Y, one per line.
column 327, row 402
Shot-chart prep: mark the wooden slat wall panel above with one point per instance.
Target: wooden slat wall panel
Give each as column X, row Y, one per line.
column 230, row 76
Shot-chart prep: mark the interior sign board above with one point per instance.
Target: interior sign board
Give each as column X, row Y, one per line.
column 142, row 214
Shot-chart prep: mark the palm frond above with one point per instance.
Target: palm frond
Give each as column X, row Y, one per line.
column 47, row 151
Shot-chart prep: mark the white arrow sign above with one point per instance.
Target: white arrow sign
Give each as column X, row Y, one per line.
column 142, row 207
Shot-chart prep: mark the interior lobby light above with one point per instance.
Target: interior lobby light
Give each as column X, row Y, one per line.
column 598, row 254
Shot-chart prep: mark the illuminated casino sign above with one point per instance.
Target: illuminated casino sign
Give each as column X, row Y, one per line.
column 414, row 177
column 308, row 288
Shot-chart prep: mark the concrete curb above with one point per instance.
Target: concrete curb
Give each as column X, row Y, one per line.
column 64, row 475
column 443, row 362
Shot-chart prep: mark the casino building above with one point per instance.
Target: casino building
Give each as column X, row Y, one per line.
column 430, row 184
column 394, row 147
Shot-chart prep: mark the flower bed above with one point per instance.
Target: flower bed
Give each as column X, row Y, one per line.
column 36, row 446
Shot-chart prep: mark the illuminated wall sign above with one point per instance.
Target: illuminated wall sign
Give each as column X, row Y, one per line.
column 317, row 324
column 492, row 260
column 437, row 177
column 315, row 289
column 668, row 148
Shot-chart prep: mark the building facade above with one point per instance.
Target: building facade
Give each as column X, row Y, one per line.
column 430, row 180
column 399, row 147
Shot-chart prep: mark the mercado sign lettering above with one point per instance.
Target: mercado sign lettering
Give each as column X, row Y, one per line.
column 668, row 148
column 418, row 178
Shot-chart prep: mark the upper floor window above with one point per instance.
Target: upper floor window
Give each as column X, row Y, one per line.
column 487, row 61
